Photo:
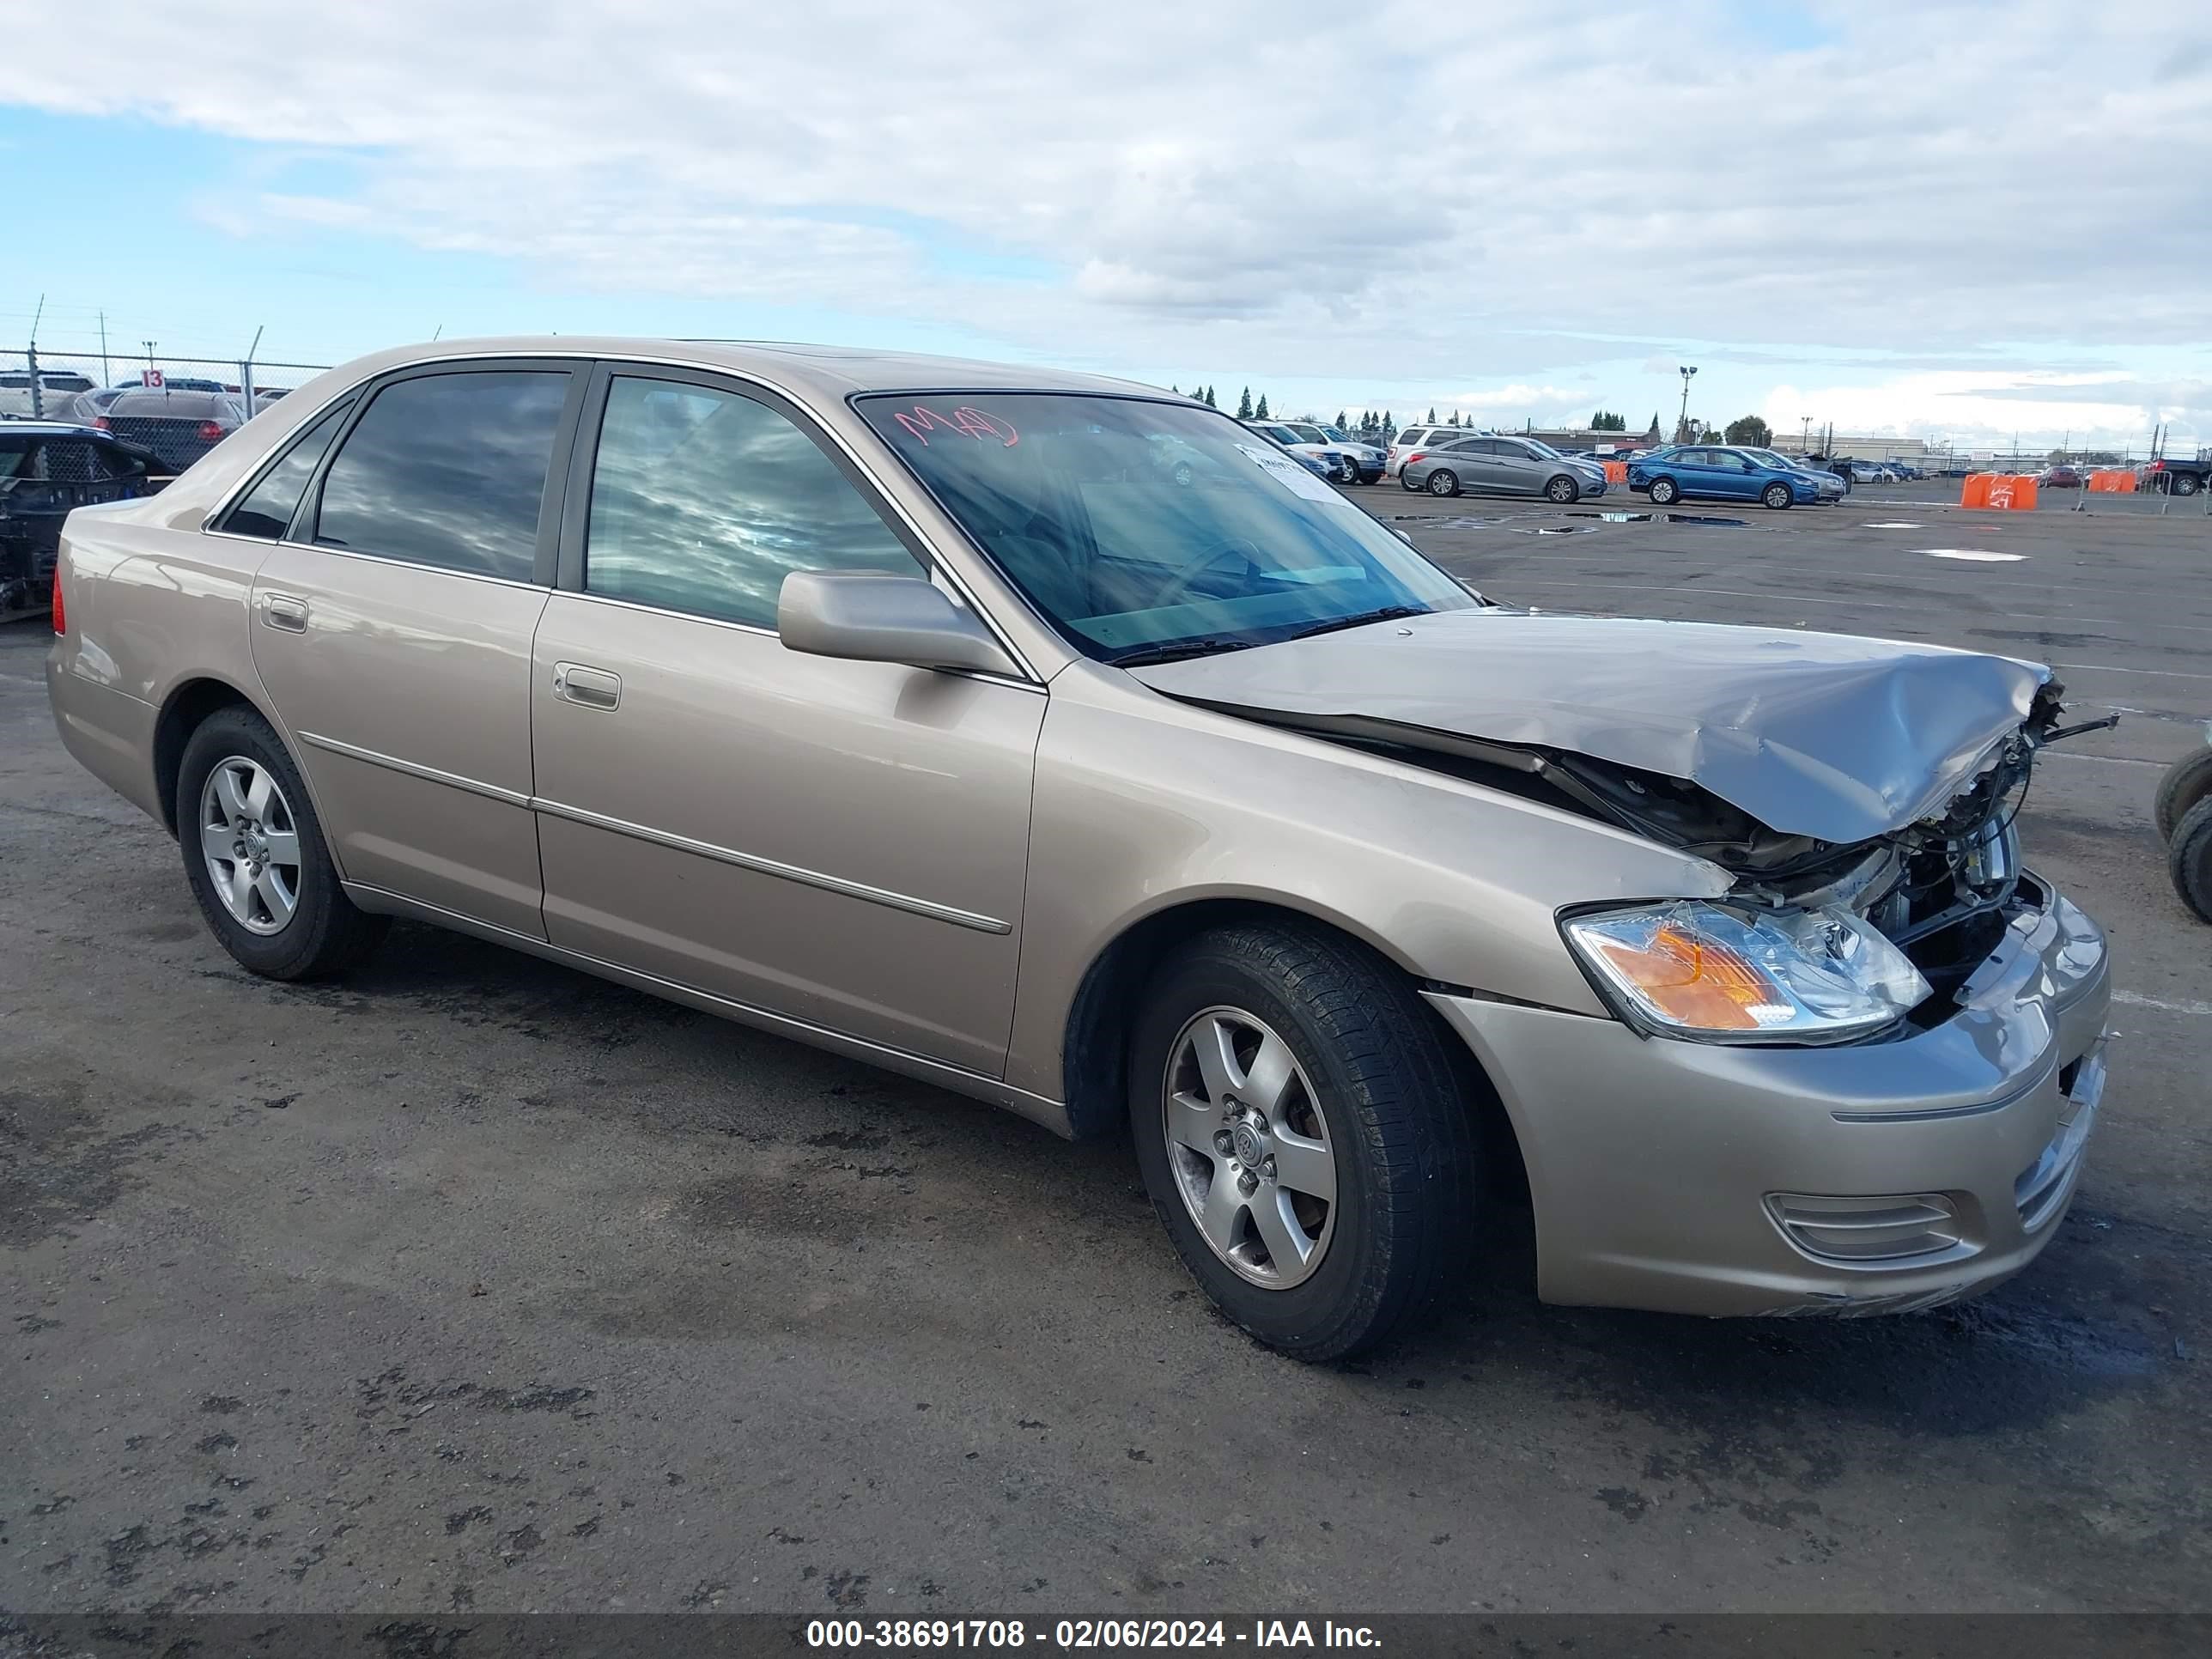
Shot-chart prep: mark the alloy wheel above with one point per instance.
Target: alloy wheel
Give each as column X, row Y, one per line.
column 1248, row 1146
column 251, row 841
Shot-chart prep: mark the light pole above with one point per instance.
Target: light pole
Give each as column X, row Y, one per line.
column 1682, row 425
column 1804, row 437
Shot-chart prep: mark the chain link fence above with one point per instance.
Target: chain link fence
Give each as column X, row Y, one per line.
column 37, row 383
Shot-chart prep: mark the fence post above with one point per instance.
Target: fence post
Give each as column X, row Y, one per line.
column 246, row 383
column 38, row 401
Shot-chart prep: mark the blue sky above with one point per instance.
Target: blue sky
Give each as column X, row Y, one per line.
column 1891, row 218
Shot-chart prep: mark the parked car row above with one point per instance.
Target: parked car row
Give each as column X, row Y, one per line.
column 1341, row 458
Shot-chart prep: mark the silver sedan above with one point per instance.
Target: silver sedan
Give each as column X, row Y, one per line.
column 1501, row 467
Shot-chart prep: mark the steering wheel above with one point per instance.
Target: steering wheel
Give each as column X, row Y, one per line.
column 1179, row 584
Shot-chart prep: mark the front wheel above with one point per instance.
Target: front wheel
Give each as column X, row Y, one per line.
column 1564, row 489
column 1444, row 483
column 1664, row 493
column 255, row 856
column 1778, row 496
column 1302, row 1134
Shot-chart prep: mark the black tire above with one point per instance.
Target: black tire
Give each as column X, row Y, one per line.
column 2185, row 483
column 2189, row 860
column 2185, row 782
column 325, row 933
column 1564, row 491
column 1778, row 496
column 1665, row 492
column 1443, row 482
column 1400, row 1229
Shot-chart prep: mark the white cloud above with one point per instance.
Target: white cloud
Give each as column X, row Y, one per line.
column 1973, row 406
column 1255, row 184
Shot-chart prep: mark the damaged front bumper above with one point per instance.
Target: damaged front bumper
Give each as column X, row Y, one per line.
column 1868, row 1178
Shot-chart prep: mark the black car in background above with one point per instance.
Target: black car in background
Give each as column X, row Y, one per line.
column 176, row 422
column 47, row 471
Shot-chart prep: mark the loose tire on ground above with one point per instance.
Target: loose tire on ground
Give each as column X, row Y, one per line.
column 1329, row 1038
column 2189, row 860
column 2184, row 783
column 321, row 933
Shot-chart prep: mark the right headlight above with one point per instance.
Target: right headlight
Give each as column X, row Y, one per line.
column 1688, row 968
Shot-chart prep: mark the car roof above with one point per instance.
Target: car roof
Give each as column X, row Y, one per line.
column 820, row 373
column 54, row 429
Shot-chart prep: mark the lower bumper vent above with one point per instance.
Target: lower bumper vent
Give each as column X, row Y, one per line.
column 1868, row 1231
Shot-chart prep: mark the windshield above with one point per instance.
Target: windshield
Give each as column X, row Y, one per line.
column 1542, row 448
column 1137, row 527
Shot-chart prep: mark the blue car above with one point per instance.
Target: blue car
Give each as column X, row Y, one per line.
column 1686, row 472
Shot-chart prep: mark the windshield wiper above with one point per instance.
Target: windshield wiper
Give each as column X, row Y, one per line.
column 1388, row 613
column 1176, row 653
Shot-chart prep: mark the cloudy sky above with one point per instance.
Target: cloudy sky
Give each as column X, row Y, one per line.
column 1956, row 220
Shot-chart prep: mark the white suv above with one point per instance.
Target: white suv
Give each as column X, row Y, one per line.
column 1419, row 437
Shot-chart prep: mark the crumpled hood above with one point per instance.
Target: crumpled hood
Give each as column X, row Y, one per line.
column 1825, row 735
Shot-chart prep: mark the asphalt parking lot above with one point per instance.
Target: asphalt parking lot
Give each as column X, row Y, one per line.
column 474, row 1283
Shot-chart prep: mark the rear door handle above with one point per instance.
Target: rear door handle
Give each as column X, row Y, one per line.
column 586, row 687
column 283, row 611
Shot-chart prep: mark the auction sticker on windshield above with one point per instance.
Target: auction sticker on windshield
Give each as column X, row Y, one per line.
column 1288, row 473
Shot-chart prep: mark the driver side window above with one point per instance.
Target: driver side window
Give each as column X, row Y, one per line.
column 703, row 501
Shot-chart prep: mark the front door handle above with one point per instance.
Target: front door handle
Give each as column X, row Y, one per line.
column 283, row 611
column 586, row 687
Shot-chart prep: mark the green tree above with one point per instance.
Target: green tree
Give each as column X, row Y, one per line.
column 1210, row 404
column 1342, row 425
column 1707, row 434
column 1750, row 429
column 1244, row 406
column 1432, row 414
column 1606, row 421
column 1260, row 413
column 1389, row 425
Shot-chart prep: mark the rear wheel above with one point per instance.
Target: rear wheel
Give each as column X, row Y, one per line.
column 2185, row 483
column 2187, row 782
column 1300, row 1125
column 1444, row 483
column 1778, row 495
column 255, row 856
column 1664, row 492
column 2189, row 860
column 1564, row 489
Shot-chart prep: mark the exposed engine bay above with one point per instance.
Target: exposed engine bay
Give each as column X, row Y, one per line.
column 1942, row 889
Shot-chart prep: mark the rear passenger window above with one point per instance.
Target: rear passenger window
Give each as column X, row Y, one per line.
column 268, row 507
column 703, row 501
column 448, row 469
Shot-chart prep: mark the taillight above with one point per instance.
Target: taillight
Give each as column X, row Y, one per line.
column 1415, row 457
column 211, row 433
column 2158, row 466
column 100, row 423
column 61, row 616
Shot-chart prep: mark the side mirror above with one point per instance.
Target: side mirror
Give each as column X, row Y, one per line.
column 864, row 616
